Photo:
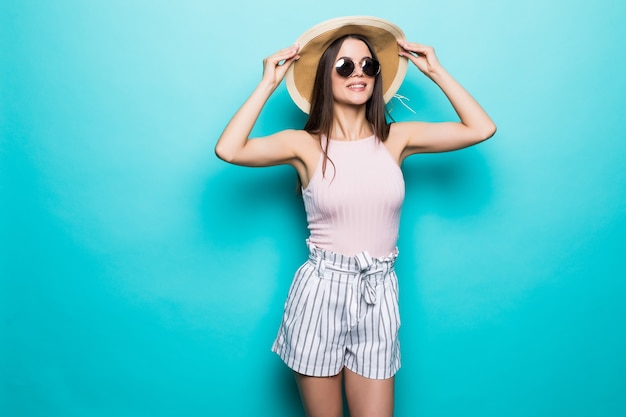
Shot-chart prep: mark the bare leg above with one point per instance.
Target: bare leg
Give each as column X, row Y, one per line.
column 368, row 397
column 321, row 396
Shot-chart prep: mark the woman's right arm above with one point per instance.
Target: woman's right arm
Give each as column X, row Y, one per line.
column 233, row 145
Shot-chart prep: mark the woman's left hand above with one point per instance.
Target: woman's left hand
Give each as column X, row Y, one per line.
column 422, row 56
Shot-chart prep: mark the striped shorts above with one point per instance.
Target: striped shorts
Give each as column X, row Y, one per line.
column 342, row 311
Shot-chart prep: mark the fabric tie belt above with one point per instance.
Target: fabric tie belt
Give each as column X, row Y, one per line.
column 365, row 270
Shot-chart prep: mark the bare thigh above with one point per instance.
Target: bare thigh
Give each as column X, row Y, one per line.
column 321, row 396
column 368, row 397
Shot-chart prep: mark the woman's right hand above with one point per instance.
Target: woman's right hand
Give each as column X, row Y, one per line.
column 276, row 65
column 234, row 145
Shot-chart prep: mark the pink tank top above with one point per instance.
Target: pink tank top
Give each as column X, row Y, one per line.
column 355, row 206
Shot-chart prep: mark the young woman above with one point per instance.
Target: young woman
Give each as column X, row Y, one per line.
column 340, row 324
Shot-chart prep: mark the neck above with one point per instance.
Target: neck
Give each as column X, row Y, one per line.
column 349, row 123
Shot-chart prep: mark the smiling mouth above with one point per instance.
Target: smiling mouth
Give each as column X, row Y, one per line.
column 356, row 86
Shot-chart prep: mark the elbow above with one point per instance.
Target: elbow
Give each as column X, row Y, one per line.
column 481, row 134
column 222, row 154
column 219, row 153
column 488, row 131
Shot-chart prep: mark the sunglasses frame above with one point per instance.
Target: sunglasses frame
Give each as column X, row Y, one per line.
column 347, row 61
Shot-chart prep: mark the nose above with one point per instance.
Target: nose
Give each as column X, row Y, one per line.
column 358, row 71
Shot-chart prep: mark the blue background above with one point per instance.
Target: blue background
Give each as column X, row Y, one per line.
column 141, row 276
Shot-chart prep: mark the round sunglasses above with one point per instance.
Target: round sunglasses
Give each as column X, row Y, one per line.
column 345, row 67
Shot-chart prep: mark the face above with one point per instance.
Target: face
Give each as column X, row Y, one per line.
column 357, row 88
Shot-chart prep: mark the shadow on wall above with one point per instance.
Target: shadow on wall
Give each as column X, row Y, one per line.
column 242, row 204
column 452, row 185
column 255, row 220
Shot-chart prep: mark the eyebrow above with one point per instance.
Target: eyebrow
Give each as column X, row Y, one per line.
column 345, row 56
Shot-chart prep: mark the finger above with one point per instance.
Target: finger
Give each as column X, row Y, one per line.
column 416, row 48
column 411, row 45
column 284, row 54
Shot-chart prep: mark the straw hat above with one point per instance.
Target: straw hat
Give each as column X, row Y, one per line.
column 383, row 36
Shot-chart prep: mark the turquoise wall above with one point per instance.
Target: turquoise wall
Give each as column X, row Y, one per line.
column 141, row 276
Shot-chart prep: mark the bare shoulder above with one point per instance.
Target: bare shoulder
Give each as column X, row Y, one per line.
column 283, row 147
column 404, row 131
column 300, row 142
column 293, row 137
column 306, row 151
column 308, row 148
column 400, row 135
column 430, row 137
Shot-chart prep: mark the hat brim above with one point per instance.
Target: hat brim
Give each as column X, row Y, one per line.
column 382, row 34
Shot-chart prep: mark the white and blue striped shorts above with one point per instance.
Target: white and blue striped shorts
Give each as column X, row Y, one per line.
column 342, row 311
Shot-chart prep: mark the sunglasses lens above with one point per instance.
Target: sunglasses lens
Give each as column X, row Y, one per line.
column 344, row 67
column 370, row 67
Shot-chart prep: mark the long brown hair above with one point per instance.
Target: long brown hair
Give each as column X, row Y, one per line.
column 321, row 114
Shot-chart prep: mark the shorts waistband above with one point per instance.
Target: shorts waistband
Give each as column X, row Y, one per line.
column 359, row 263
column 364, row 269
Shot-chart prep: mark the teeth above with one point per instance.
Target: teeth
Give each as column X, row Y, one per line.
column 357, row 86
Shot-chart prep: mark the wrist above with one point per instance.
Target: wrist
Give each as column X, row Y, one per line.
column 267, row 86
column 437, row 73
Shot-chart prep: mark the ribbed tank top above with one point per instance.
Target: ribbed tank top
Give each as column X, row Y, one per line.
column 355, row 206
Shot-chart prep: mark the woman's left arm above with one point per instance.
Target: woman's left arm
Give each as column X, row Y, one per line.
column 474, row 126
